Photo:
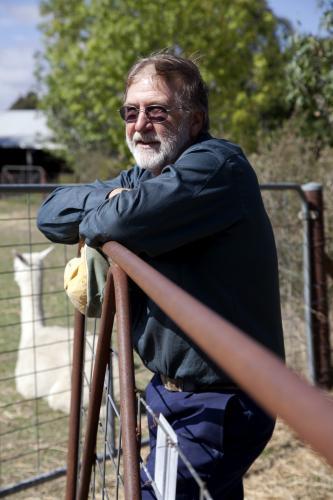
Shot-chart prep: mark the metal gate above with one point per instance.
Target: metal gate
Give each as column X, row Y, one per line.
column 27, row 454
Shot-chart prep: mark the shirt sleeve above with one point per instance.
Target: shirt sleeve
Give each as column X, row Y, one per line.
column 60, row 214
column 192, row 199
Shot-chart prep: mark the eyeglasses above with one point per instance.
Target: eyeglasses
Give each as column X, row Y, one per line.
column 155, row 113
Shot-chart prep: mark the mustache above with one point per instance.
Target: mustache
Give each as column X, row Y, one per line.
column 149, row 137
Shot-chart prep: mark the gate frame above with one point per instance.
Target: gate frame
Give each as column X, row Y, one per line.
column 319, row 360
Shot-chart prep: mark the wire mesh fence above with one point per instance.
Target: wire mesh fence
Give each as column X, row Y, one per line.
column 33, row 436
column 297, row 213
column 285, row 211
column 33, row 429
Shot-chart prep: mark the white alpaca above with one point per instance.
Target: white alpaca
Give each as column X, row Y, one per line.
column 43, row 367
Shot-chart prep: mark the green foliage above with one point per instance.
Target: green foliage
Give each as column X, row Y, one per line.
column 89, row 45
column 327, row 15
column 92, row 164
column 310, row 83
column 27, row 101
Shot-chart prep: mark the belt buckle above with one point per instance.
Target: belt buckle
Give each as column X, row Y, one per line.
column 172, row 385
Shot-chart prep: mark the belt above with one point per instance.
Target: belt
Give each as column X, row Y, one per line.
column 179, row 385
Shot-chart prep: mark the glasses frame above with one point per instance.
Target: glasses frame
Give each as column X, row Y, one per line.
column 146, row 110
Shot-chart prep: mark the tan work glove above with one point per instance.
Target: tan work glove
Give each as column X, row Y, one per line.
column 84, row 281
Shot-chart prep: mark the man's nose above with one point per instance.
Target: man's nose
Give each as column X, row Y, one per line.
column 142, row 122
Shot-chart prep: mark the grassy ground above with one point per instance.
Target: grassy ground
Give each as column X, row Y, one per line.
column 287, row 470
column 33, row 438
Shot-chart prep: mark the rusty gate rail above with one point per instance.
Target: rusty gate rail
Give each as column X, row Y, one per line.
column 75, row 406
column 127, row 388
column 260, row 373
column 77, row 484
column 101, row 360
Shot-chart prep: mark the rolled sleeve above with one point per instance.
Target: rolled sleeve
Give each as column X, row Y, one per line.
column 60, row 214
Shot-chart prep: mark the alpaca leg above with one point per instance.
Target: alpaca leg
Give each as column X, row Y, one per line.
column 59, row 397
column 26, row 376
column 25, row 385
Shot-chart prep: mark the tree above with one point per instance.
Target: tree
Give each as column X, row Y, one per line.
column 27, row 101
column 310, row 83
column 326, row 20
column 89, row 46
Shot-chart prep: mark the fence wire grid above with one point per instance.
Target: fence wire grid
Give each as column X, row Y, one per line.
column 33, row 435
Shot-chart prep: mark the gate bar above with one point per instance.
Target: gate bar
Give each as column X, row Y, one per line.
column 127, row 387
column 75, row 406
column 259, row 372
column 97, row 384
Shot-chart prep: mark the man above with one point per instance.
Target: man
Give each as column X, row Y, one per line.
column 191, row 208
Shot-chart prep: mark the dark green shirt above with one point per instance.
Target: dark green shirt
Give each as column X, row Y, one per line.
column 201, row 223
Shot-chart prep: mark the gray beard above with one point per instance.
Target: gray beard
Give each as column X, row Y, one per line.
column 170, row 146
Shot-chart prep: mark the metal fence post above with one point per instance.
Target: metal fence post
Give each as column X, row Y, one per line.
column 319, row 304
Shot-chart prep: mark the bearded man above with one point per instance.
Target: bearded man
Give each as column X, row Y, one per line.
column 191, row 208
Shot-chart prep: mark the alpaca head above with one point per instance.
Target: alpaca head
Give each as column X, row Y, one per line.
column 28, row 264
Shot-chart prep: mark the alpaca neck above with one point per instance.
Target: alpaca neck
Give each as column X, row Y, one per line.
column 32, row 314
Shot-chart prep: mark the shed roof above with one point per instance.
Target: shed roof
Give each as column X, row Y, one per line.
column 25, row 129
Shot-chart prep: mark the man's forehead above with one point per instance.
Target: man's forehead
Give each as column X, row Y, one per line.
column 148, row 78
column 147, row 75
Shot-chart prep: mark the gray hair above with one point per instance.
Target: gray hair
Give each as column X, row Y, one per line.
column 192, row 91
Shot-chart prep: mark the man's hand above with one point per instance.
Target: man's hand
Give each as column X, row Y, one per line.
column 117, row 191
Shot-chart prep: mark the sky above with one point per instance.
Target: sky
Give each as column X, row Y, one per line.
column 20, row 39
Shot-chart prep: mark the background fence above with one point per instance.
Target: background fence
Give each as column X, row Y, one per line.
column 33, row 437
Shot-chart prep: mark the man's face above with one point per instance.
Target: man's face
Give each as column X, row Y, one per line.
column 155, row 145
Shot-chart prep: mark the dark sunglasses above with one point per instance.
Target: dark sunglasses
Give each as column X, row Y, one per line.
column 155, row 113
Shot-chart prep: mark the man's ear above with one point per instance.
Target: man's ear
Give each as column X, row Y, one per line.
column 196, row 124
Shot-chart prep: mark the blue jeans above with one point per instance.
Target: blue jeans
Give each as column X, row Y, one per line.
column 220, row 433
